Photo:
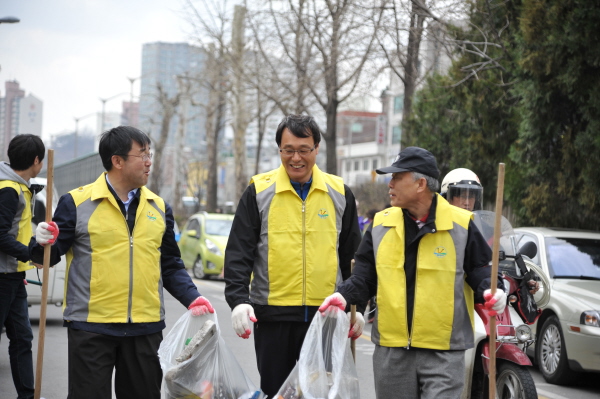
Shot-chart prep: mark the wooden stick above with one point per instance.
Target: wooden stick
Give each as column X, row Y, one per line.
column 353, row 320
column 45, row 278
column 494, row 280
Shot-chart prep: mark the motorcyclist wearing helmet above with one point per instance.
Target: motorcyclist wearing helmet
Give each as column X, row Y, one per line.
column 462, row 188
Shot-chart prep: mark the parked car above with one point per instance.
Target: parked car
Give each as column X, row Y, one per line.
column 202, row 243
column 568, row 331
column 56, row 275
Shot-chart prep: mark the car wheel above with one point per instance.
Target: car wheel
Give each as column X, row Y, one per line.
column 514, row 382
column 198, row 268
column 551, row 353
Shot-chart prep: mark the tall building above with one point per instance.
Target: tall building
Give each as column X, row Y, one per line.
column 18, row 114
column 168, row 65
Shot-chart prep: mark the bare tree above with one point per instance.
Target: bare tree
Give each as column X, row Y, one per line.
column 240, row 119
column 211, row 24
column 401, row 38
column 167, row 110
column 340, row 36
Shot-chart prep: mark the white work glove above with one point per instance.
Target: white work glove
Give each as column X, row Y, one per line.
column 496, row 304
column 201, row 306
column 239, row 319
column 356, row 329
column 336, row 300
column 46, row 233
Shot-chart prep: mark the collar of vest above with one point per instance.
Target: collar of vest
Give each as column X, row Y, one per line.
column 443, row 215
column 100, row 190
column 282, row 180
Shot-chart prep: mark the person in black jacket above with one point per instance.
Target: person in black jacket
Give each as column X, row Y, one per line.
column 295, row 232
column 25, row 153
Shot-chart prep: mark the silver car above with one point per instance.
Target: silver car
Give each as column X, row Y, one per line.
column 568, row 331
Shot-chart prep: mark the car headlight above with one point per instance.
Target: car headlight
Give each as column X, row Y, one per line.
column 523, row 333
column 590, row 318
column 212, row 247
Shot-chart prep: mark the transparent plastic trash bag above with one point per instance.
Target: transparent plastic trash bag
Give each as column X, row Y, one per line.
column 325, row 369
column 197, row 364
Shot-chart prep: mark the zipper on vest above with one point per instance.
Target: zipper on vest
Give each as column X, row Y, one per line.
column 412, row 328
column 304, row 252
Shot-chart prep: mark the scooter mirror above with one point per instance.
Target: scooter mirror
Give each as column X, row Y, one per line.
column 529, row 250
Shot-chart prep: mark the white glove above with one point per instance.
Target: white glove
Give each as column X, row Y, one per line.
column 239, row 319
column 357, row 328
column 336, row 300
column 46, row 233
column 496, row 304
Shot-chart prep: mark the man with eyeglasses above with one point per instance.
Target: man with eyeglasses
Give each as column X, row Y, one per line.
column 293, row 237
column 121, row 250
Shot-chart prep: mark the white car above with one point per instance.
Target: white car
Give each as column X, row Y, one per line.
column 56, row 279
column 568, row 331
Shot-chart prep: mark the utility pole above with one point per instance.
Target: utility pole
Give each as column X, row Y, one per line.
column 240, row 122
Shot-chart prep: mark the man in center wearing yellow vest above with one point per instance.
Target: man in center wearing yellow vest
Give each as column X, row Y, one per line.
column 293, row 237
column 417, row 256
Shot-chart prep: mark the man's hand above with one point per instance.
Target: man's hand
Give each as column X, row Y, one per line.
column 38, row 265
column 495, row 304
column 46, row 233
column 356, row 329
column 534, row 286
column 336, row 300
column 239, row 319
column 201, row 306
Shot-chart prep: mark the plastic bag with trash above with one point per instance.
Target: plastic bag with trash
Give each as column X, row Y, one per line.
column 197, row 364
column 325, row 368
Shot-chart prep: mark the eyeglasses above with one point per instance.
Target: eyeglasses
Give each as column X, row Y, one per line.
column 303, row 152
column 145, row 157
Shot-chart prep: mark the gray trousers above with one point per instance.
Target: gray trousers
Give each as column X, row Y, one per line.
column 418, row 373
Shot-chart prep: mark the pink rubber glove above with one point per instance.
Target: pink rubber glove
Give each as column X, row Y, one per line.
column 336, row 300
column 46, row 233
column 201, row 306
column 239, row 319
column 496, row 304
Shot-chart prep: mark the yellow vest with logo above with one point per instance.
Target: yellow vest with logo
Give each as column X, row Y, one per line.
column 297, row 257
column 443, row 302
column 113, row 277
column 21, row 227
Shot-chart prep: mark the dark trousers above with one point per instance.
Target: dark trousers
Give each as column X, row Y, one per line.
column 15, row 317
column 277, row 346
column 92, row 358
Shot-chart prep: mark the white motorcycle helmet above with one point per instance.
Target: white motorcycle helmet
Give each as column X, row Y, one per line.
column 461, row 187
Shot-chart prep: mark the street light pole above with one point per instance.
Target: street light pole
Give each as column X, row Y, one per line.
column 130, row 111
column 77, row 132
column 104, row 100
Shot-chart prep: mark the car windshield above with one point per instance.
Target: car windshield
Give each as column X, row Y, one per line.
column 573, row 257
column 218, row 227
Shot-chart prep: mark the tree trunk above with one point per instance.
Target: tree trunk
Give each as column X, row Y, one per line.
column 411, row 72
column 156, row 181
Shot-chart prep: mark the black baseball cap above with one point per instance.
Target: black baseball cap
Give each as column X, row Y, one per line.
column 413, row 159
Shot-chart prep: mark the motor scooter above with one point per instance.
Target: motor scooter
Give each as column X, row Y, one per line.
column 513, row 335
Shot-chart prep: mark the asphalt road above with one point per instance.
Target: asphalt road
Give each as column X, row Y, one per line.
column 54, row 381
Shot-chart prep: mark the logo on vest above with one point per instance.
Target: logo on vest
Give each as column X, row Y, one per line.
column 323, row 213
column 151, row 216
column 440, row 252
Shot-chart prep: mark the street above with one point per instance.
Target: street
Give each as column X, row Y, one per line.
column 54, row 382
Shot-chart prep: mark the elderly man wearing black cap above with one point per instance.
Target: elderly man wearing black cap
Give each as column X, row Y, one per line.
column 416, row 257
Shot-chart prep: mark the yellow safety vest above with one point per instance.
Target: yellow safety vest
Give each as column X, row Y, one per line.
column 443, row 302
column 297, row 258
column 113, row 277
column 21, row 227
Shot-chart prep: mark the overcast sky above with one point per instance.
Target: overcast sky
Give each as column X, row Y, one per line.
column 69, row 53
